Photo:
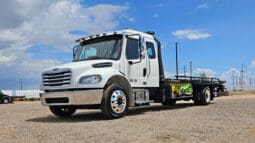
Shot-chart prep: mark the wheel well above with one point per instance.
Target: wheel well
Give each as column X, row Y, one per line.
column 123, row 82
column 118, row 80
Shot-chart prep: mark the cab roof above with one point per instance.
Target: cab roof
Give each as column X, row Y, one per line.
column 148, row 34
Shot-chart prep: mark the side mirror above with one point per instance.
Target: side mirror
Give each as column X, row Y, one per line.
column 75, row 48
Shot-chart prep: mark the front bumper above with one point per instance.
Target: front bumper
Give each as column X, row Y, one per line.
column 84, row 97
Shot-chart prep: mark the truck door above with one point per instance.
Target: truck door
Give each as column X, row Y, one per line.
column 136, row 58
column 152, row 63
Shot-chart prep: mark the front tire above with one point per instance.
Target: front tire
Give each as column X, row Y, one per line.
column 62, row 111
column 115, row 101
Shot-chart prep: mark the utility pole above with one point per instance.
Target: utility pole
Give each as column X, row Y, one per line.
column 236, row 80
column 233, row 78
column 21, row 84
column 250, row 82
column 176, row 56
column 242, row 78
column 190, row 68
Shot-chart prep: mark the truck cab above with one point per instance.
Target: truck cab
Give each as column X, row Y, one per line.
column 113, row 71
column 5, row 99
column 125, row 61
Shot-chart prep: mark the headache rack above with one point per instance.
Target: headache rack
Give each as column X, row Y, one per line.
column 194, row 79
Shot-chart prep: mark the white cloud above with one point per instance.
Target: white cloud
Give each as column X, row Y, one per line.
column 252, row 63
column 49, row 23
column 203, row 6
column 25, row 23
column 228, row 74
column 191, row 34
column 7, row 59
column 235, row 74
column 169, row 74
column 208, row 72
column 26, row 68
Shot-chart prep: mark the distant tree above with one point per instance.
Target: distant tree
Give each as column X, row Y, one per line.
column 203, row 76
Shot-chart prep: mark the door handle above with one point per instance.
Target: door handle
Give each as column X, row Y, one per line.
column 144, row 72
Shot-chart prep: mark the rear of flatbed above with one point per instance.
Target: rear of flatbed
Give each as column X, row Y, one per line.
column 200, row 90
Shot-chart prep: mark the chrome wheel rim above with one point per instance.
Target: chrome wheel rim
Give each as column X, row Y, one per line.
column 6, row 101
column 118, row 101
column 208, row 96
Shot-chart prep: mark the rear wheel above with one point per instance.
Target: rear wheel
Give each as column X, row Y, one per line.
column 115, row 101
column 62, row 111
column 206, row 96
column 203, row 97
column 6, row 101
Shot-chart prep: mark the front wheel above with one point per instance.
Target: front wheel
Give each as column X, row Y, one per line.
column 115, row 101
column 62, row 111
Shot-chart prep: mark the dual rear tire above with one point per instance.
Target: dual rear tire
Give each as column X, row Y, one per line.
column 203, row 97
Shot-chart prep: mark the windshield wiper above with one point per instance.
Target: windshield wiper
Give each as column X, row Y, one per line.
column 94, row 58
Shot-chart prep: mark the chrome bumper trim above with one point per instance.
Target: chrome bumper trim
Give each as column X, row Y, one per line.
column 85, row 97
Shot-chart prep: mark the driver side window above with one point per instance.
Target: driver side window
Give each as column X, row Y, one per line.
column 132, row 49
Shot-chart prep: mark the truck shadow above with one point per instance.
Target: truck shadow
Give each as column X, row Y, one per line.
column 98, row 116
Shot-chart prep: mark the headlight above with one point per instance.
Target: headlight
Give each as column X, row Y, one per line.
column 91, row 79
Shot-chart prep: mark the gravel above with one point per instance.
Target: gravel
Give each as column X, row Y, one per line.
column 228, row 119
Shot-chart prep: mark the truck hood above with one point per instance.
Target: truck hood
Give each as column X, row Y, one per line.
column 77, row 70
column 83, row 65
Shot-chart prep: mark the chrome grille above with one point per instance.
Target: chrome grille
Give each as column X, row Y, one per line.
column 57, row 77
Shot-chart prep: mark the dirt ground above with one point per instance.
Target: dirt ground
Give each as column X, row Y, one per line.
column 228, row 119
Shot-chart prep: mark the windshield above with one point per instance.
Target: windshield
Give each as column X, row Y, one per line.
column 100, row 48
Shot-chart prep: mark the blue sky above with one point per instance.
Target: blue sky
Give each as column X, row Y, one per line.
column 216, row 35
